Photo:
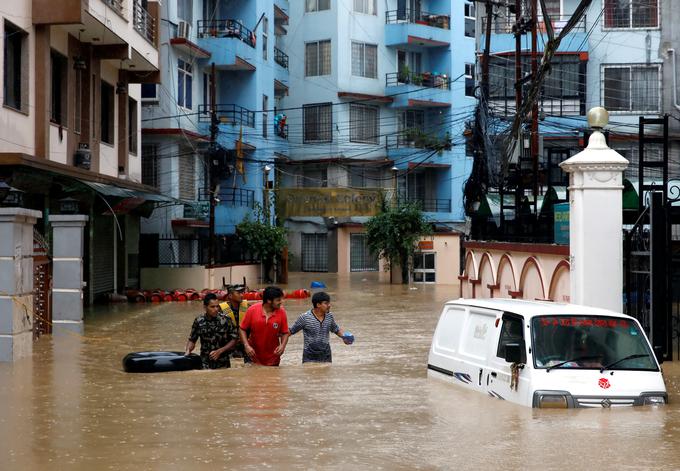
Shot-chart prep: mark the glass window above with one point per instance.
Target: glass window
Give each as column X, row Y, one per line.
column 470, row 19
column 317, row 5
column 511, row 332
column 318, row 58
column 369, row 7
column 58, row 88
column 631, row 88
column 364, row 60
column 631, row 13
column 107, row 113
column 363, row 122
column 469, row 79
column 184, row 83
column 318, row 122
column 132, row 126
column 590, row 342
column 15, row 67
column 150, row 165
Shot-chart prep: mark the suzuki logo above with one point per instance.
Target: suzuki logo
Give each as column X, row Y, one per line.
column 606, row 403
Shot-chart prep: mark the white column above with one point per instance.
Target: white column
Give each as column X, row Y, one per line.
column 595, row 220
column 16, row 282
column 67, row 269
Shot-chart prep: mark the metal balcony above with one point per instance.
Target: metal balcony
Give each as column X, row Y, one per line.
column 226, row 29
column 144, row 23
column 227, row 114
column 280, row 57
column 418, row 17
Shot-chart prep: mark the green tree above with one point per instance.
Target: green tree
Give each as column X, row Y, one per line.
column 394, row 233
column 263, row 240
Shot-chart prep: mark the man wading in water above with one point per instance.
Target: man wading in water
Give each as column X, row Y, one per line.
column 235, row 308
column 217, row 333
column 264, row 329
column 316, row 325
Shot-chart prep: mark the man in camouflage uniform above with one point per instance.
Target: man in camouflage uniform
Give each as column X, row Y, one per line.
column 217, row 332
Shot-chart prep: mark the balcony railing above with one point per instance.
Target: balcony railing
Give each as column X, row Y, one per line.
column 228, row 114
column 231, row 196
column 417, row 139
column 418, row 17
column 280, row 57
column 424, row 79
column 431, row 205
column 226, row 29
column 505, row 24
column 145, row 24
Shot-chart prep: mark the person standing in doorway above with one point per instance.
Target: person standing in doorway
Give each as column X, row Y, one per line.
column 264, row 329
column 217, row 333
column 316, row 325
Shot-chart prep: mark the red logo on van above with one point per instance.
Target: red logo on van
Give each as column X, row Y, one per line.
column 604, row 383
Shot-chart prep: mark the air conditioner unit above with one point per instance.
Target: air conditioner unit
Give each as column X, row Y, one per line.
column 183, row 30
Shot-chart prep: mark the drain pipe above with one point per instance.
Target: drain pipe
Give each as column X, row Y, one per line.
column 675, row 79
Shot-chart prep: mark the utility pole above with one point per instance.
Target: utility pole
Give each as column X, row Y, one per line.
column 487, row 50
column 534, row 108
column 212, row 168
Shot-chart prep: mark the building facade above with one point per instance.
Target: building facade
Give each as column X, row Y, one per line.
column 237, row 46
column 70, row 122
column 380, row 93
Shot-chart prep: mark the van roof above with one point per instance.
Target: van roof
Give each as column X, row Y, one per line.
column 529, row 309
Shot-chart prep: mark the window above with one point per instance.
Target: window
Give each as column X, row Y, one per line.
column 207, row 97
column 187, row 175
column 132, row 126
column 360, row 256
column 469, row 79
column 318, row 122
column 107, row 113
column 317, row 5
column 78, row 105
column 150, row 165
column 470, row 19
column 363, row 123
column 15, row 68
column 149, row 92
column 265, row 37
column 184, row 83
column 58, row 88
column 511, row 332
column 265, row 115
column 631, row 88
column 185, row 10
column 424, row 267
column 364, row 60
column 362, row 176
column 312, row 177
column 318, row 58
column 369, row 7
column 631, row 14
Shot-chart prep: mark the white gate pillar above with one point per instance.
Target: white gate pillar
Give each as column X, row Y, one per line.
column 16, row 282
column 595, row 220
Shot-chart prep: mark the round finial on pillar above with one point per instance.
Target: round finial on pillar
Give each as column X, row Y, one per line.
column 598, row 117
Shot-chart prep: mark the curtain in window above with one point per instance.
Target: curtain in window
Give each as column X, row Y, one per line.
column 357, row 59
column 324, row 58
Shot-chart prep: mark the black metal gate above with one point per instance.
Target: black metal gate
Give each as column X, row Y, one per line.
column 315, row 252
column 651, row 271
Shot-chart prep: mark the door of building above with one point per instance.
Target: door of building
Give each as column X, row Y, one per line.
column 424, row 267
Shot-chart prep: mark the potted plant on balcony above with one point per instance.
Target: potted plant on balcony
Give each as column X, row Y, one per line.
column 404, row 75
column 418, row 79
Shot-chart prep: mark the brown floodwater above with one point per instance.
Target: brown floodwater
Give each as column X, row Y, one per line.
column 71, row 406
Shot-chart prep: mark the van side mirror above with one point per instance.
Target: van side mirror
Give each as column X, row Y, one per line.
column 658, row 353
column 514, row 352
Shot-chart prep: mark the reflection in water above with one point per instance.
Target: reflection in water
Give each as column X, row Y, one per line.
column 72, row 406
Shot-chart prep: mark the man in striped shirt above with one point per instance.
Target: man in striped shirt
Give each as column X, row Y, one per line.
column 316, row 325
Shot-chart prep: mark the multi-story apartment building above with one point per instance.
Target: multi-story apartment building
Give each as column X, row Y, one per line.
column 242, row 41
column 380, row 94
column 617, row 57
column 70, row 121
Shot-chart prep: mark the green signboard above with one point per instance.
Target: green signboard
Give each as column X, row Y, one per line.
column 562, row 223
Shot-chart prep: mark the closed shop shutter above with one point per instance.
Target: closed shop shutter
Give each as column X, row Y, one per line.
column 314, row 252
column 102, row 255
column 360, row 257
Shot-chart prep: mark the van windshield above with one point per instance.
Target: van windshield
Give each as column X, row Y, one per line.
column 590, row 342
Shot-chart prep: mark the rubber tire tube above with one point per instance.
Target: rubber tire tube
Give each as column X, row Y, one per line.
column 156, row 362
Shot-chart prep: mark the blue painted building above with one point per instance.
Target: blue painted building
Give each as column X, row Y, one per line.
column 242, row 39
column 380, row 94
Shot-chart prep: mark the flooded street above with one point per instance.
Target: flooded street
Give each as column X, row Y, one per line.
column 72, row 407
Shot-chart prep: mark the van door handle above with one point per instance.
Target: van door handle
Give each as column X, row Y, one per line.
column 480, row 376
column 494, row 374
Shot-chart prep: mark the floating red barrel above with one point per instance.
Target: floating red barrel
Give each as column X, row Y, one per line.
column 192, row 294
column 252, row 295
column 179, row 295
column 298, row 294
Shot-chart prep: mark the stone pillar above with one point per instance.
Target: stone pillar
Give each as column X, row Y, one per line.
column 67, row 269
column 595, row 220
column 16, row 282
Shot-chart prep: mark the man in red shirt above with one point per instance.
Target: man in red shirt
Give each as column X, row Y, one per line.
column 264, row 329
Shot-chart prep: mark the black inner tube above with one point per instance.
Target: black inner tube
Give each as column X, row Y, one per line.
column 155, row 362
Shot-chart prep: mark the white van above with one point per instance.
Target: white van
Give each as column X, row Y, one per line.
column 544, row 354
